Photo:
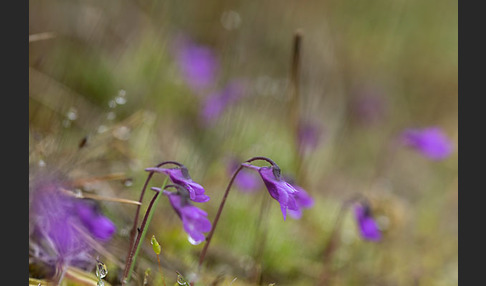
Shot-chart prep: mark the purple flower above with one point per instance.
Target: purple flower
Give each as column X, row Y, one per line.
column 197, row 63
column 368, row 227
column 57, row 220
column 430, row 142
column 368, row 106
column 215, row 104
column 100, row 226
column 308, row 136
column 181, row 176
column 279, row 189
column 303, row 200
column 194, row 220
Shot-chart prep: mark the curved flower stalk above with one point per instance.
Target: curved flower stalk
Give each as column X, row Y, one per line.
column 181, row 177
column 431, row 142
column 277, row 187
column 247, row 181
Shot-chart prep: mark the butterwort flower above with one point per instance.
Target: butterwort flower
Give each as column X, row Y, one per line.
column 194, row 220
column 181, row 177
column 101, row 227
column 431, row 142
column 214, row 105
column 367, row 226
column 57, row 221
column 368, row 105
column 198, row 63
column 308, row 136
column 279, row 189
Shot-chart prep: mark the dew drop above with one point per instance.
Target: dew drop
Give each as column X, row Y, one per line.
column 66, row 123
column 101, row 270
column 72, row 114
column 102, row 129
column 110, row 115
column 122, row 133
column 192, row 241
column 230, row 20
column 128, row 182
column 78, row 193
column 121, row 98
column 112, row 104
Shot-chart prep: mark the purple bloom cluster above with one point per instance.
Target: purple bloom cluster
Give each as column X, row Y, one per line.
column 199, row 67
column 431, row 142
column 368, row 227
column 58, row 219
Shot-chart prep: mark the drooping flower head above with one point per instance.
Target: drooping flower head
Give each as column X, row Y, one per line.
column 279, row 189
column 431, row 142
column 198, row 63
column 60, row 222
column 194, row 219
column 367, row 225
column 181, row 177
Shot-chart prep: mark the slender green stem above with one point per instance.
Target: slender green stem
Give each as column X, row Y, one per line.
column 133, row 231
column 140, row 236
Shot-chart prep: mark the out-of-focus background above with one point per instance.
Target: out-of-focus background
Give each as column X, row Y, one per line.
column 204, row 83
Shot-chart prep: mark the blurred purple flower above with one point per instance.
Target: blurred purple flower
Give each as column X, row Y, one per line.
column 308, row 136
column 279, row 189
column 181, row 176
column 197, row 63
column 368, row 227
column 58, row 219
column 100, row 226
column 194, row 220
column 246, row 180
column 215, row 104
column 368, row 106
column 430, row 142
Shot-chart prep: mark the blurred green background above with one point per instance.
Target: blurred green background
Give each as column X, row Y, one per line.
column 108, row 71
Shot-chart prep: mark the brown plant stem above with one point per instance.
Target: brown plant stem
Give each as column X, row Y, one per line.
column 137, row 212
column 223, row 201
column 131, row 253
